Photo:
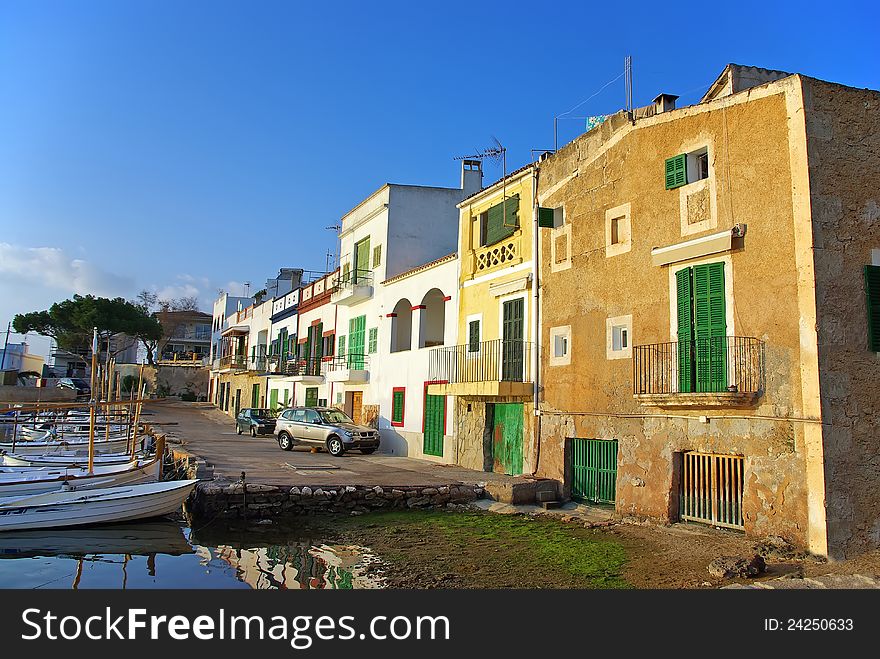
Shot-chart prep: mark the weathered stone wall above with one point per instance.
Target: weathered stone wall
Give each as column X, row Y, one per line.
column 592, row 397
column 16, row 394
column 256, row 501
column 843, row 143
column 245, row 382
column 473, row 437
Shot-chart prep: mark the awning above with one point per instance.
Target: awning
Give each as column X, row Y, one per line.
column 236, row 330
column 723, row 241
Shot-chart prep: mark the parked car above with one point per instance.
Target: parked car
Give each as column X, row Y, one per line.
column 255, row 421
column 80, row 386
column 324, row 426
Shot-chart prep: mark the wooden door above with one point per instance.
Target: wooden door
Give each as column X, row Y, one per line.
column 434, row 424
column 507, row 444
column 357, row 406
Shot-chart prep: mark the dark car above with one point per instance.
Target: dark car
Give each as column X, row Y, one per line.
column 255, row 421
column 80, row 386
column 326, row 427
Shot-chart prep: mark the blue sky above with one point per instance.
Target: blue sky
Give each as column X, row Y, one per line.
column 191, row 146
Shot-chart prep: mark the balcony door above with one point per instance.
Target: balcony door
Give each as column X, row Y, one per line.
column 357, row 330
column 314, row 349
column 361, row 258
column 702, row 328
column 512, row 340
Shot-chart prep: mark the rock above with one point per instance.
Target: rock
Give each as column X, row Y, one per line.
column 349, row 488
column 294, row 490
column 254, row 488
column 637, row 482
column 430, row 491
column 355, row 513
column 414, row 502
column 397, row 493
column 306, row 491
column 443, row 490
column 378, row 490
column 777, row 548
column 318, row 492
column 728, row 567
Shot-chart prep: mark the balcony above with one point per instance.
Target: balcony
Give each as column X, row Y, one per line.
column 505, row 253
column 182, row 359
column 724, row 371
column 350, row 369
column 233, row 362
column 352, row 287
column 490, row 368
column 309, row 371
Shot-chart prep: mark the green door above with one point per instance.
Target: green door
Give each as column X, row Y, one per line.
column 255, row 395
column 273, row 399
column 702, row 328
column 357, row 330
column 314, row 349
column 361, row 258
column 512, row 341
column 594, row 469
column 282, row 340
column 311, row 396
column 507, row 444
column 237, row 402
column 435, row 422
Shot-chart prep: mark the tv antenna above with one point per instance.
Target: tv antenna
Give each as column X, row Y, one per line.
column 331, row 256
column 496, row 153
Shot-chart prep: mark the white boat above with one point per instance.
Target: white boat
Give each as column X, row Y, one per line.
column 20, row 481
column 99, row 506
column 64, row 458
column 53, row 445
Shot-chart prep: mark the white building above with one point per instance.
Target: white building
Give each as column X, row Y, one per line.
column 398, row 273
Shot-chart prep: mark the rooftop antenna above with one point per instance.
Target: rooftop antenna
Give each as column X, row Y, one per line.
column 628, row 71
column 496, row 153
column 331, row 256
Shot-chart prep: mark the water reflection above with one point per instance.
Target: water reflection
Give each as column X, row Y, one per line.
column 165, row 554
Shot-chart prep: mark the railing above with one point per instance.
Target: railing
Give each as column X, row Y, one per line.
column 311, row 366
column 351, row 361
column 501, row 360
column 187, row 358
column 715, row 365
column 233, row 361
column 349, row 280
column 505, row 252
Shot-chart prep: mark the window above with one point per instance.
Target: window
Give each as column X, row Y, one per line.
column 474, row 336
column 687, row 168
column 339, row 398
column 618, row 337
column 373, row 342
column 311, row 416
column 698, row 165
column 501, row 221
column 322, row 402
column 377, row 256
column 329, row 344
column 340, row 350
column 551, row 218
column 618, row 230
column 872, row 295
column 560, row 345
column 398, row 400
column 299, row 415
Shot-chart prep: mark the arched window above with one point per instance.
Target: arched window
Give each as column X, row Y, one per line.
column 401, row 326
column 433, row 319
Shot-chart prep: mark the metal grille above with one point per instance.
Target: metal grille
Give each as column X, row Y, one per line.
column 594, row 469
column 712, row 489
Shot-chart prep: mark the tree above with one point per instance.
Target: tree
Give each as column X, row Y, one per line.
column 70, row 323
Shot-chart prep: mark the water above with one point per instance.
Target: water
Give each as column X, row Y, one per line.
column 165, row 554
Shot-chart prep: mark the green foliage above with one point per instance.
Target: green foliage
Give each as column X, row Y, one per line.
column 129, row 382
column 70, row 322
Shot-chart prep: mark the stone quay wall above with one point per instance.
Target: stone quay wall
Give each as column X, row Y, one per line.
column 213, row 500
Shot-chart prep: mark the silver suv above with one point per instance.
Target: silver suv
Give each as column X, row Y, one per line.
column 323, row 426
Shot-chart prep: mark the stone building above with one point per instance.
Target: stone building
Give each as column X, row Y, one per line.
column 709, row 315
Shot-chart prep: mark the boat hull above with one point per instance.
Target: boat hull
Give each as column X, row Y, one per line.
column 21, row 481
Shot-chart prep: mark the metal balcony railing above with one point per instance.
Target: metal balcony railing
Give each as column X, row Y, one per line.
column 301, row 366
column 348, row 280
column 351, row 361
column 501, row 360
column 719, row 364
column 233, row 361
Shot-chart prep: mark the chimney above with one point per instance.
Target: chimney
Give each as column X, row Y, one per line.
column 664, row 103
column 471, row 176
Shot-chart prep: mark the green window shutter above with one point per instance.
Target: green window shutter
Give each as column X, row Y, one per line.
column 397, row 401
column 499, row 227
column 710, row 327
column 346, row 272
column 374, row 339
column 377, row 256
column 872, row 296
column 362, row 257
column 676, row 171
column 474, row 336
column 684, row 303
column 545, row 218
column 341, row 349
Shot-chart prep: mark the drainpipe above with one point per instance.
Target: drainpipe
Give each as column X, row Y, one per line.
column 536, row 333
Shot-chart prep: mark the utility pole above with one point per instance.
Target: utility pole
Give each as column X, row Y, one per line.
column 5, row 347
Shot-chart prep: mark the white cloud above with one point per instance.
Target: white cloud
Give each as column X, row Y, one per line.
column 52, row 268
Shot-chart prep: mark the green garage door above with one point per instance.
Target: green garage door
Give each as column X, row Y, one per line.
column 435, row 421
column 594, row 469
column 507, row 444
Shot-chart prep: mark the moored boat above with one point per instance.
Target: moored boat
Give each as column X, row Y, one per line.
column 19, row 481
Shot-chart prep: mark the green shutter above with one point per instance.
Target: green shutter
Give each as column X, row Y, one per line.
column 397, row 400
column 676, row 171
column 684, row 292
column 710, row 327
column 377, row 256
column 361, row 258
column 499, row 227
column 872, row 296
column 474, row 336
column 545, row 218
column 273, row 399
column 374, row 339
column 340, row 350
column 357, row 329
column 346, row 273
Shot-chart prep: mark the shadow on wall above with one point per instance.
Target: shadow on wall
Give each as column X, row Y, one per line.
column 391, row 442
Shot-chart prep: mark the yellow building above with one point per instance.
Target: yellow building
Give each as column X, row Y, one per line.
column 490, row 371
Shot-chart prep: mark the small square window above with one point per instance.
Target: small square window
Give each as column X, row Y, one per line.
column 616, row 223
column 619, row 337
column 698, row 165
column 560, row 346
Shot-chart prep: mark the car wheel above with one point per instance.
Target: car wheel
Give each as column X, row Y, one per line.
column 335, row 447
column 367, row 451
column 238, row 428
column 253, row 432
column 285, row 442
